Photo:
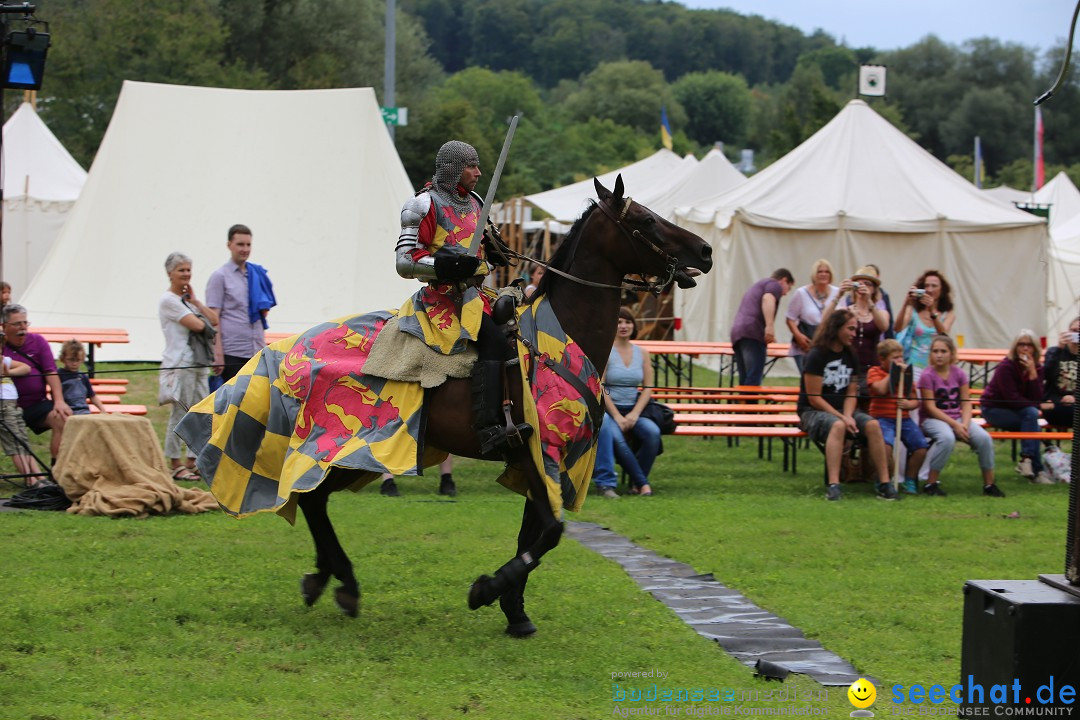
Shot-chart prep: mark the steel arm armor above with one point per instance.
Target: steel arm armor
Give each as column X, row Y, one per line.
column 412, row 214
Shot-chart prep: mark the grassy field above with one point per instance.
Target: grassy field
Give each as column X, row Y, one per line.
column 200, row 616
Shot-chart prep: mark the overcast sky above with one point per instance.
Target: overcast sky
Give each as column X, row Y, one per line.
column 891, row 24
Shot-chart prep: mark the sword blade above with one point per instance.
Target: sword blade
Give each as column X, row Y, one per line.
column 494, row 184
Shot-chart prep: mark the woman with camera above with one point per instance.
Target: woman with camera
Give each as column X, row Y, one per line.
column 861, row 296
column 928, row 311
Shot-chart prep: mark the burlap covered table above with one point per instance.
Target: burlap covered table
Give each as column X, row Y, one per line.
column 113, row 465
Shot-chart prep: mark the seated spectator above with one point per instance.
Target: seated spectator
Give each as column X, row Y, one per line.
column 806, row 306
column 1060, row 373
column 76, row 384
column 535, row 273
column 39, row 412
column 883, row 407
column 861, row 295
column 946, row 417
column 628, row 368
column 1012, row 400
column 827, row 411
column 13, row 436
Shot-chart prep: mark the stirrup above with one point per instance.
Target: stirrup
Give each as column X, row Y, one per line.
column 498, row 439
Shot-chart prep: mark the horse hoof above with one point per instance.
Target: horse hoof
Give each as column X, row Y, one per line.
column 349, row 603
column 521, row 629
column 311, row 588
column 480, row 594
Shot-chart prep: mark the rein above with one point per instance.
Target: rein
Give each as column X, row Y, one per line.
column 629, row 284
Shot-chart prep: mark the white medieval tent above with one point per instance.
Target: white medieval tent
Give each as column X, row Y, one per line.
column 659, row 170
column 41, row 182
column 312, row 172
column 861, row 191
column 714, row 174
column 1007, row 194
column 1062, row 197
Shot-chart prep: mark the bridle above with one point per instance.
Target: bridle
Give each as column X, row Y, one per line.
column 635, row 236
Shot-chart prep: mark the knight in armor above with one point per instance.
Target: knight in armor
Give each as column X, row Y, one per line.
column 437, row 245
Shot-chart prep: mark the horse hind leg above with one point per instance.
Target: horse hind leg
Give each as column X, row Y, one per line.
column 330, row 557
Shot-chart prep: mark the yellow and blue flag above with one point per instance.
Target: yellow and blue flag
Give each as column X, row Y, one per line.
column 665, row 128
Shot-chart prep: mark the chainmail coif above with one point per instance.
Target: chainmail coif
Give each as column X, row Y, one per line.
column 452, row 158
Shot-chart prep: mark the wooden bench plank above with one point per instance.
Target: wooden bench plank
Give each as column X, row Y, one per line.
column 121, row 409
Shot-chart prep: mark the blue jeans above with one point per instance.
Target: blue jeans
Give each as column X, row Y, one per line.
column 1022, row 420
column 611, row 446
column 750, row 361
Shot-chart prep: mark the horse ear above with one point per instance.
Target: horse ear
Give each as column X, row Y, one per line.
column 618, row 191
column 601, row 192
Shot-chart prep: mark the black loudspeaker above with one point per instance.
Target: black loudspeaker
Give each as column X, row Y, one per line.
column 1019, row 631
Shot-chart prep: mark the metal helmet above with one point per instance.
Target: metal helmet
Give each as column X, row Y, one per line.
column 452, row 158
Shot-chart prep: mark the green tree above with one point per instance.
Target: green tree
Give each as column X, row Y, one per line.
column 629, row 93
column 837, row 64
column 717, row 106
column 1004, row 126
column 99, row 44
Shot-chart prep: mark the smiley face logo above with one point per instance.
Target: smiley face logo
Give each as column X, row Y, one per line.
column 862, row 693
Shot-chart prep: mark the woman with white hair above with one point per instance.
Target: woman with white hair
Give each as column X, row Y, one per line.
column 180, row 382
column 806, row 308
column 1013, row 398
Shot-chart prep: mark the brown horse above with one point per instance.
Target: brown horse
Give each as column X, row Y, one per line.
column 614, row 238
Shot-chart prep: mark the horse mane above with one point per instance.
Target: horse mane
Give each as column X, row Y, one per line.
column 565, row 254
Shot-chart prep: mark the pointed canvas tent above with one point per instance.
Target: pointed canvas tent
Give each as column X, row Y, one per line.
column 697, row 182
column 1062, row 197
column 41, row 182
column 566, row 203
column 312, row 172
column 1007, row 194
column 860, row 191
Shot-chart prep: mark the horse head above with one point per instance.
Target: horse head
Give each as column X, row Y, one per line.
column 656, row 247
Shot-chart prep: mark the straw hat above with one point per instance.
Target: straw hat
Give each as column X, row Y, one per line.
column 866, row 273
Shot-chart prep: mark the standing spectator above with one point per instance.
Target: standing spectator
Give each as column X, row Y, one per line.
column 39, row 412
column 804, row 311
column 861, row 296
column 885, row 303
column 76, row 384
column 628, row 368
column 447, row 487
column 946, row 417
column 827, row 411
column 753, row 328
column 883, row 407
column 181, row 384
column 5, row 294
column 1060, row 373
column 13, row 436
column 1012, row 400
column 237, row 292
column 928, row 311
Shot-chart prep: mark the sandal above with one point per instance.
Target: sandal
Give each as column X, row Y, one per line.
column 185, row 474
column 646, row 493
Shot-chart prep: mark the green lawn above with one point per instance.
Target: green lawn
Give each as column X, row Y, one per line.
column 200, row 616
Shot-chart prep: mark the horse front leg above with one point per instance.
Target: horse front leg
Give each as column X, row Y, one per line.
column 512, row 601
column 330, row 557
column 540, row 532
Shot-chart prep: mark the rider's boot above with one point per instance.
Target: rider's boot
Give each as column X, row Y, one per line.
column 495, row 437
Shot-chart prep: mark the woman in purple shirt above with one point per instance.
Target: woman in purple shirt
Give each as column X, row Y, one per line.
column 1013, row 398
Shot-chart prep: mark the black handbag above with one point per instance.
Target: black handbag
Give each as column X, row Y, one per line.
column 662, row 415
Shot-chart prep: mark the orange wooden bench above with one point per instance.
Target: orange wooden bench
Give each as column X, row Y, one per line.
column 91, row 337
column 121, row 409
